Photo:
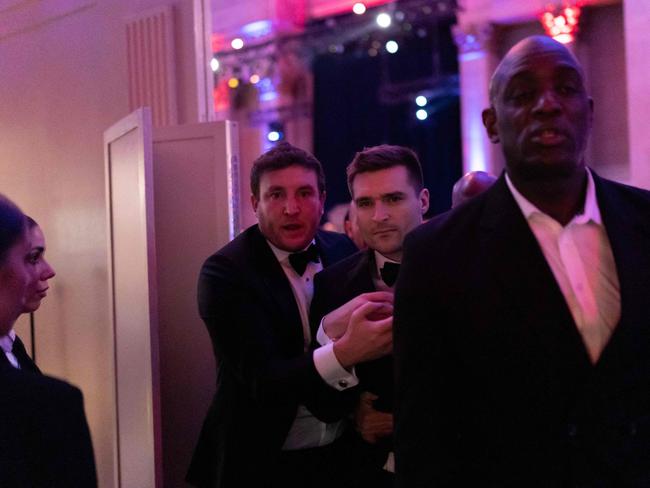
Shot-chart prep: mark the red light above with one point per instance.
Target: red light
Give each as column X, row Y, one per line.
column 561, row 25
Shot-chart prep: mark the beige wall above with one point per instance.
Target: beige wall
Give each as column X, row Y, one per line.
column 63, row 71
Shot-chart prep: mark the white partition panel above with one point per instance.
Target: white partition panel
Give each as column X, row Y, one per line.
column 196, row 210
column 133, row 300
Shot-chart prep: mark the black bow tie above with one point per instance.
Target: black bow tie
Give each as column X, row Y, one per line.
column 389, row 273
column 300, row 260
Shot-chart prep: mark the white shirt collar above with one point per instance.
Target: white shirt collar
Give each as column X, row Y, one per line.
column 380, row 260
column 7, row 341
column 283, row 256
column 591, row 212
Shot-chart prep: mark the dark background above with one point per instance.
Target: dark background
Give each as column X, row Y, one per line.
column 362, row 101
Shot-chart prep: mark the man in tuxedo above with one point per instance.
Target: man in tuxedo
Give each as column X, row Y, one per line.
column 521, row 318
column 276, row 417
column 390, row 200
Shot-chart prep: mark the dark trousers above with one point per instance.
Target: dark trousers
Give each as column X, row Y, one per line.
column 337, row 465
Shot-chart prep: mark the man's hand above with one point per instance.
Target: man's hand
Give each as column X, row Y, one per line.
column 336, row 322
column 371, row 424
column 365, row 338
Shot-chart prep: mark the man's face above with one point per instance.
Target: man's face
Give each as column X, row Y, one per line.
column 15, row 275
column 388, row 207
column 541, row 113
column 42, row 271
column 289, row 207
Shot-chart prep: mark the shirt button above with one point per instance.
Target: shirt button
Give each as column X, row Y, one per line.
column 343, row 383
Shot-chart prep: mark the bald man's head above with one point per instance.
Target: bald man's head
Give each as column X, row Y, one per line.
column 539, row 111
column 529, row 45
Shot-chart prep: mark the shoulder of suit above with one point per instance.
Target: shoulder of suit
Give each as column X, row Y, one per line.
column 40, row 388
column 331, row 239
column 239, row 250
column 632, row 192
column 344, row 266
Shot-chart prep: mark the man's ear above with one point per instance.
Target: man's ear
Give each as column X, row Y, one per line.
column 254, row 202
column 424, row 200
column 490, row 122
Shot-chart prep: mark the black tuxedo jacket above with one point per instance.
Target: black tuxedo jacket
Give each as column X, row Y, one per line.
column 26, row 363
column 44, row 438
column 334, row 287
column 494, row 384
column 263, row 374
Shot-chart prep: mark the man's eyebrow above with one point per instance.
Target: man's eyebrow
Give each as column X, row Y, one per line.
column 275, row 188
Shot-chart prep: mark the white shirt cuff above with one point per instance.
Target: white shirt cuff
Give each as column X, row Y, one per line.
column 330, row 369
column 322, row 338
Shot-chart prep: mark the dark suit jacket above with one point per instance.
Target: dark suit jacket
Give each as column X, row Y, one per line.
column 494, row 384
column 44, row 438
column 263, row 373
column 25, row 361
column 334, row 287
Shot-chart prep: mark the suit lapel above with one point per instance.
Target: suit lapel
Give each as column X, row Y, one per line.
column 628, row 231
column 279, row 290
column 516, row 260
column 359, row 278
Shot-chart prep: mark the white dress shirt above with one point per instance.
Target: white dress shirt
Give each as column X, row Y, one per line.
column 580, row 257
column 307, row 431
column 7, row 345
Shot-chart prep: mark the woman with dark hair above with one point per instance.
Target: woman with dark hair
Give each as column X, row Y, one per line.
column 44, row 438
column 43, row 270
column 40, row 273
column 14, row 267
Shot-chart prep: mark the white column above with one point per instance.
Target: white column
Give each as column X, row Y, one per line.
column 475, row 66
column 636, row 15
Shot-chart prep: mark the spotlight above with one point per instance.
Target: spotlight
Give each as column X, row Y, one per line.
column 276, row 131
column 237, row 43
column 214, row 64
column 392, row 47
column 359, row 8
column 420, row 100
column 421, row 114
column 384, row 20
column 233, row 82
column 254, row 79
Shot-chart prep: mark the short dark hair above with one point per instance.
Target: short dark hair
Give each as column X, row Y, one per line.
column 12, row 226
column 282, row 156
column 386, row 156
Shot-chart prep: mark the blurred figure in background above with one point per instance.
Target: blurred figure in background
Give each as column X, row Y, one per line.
column 351, row 227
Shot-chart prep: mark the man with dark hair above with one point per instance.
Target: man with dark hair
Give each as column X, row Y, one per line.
column 275, row 420
column 388, row 195
column 521, row 317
